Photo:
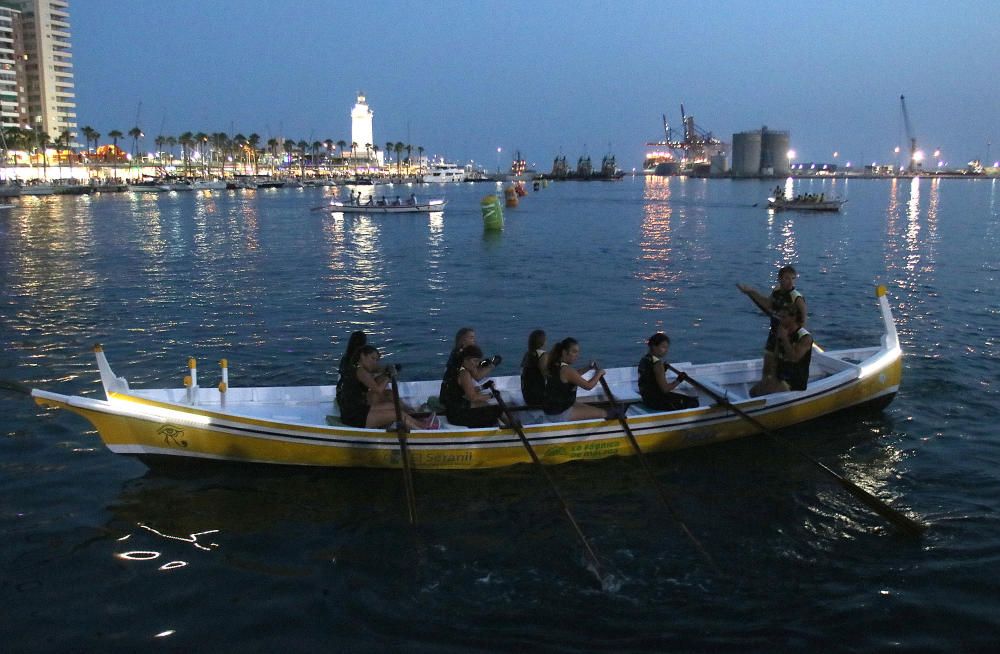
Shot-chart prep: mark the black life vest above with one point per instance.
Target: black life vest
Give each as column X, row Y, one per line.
column 796, row 373
column 648, row 388
column 559, row 395
column 352, row 395
column 532, row 379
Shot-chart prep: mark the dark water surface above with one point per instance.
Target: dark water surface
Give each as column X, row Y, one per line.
column 101, row 554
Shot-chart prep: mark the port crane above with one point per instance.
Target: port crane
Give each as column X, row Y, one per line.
column 697, row 144
column 911, row 167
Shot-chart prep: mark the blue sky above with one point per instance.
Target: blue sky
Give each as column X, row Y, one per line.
column 546, row 77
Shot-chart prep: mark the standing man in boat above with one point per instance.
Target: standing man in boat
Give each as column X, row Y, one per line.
column 784, row 296
column 793, row 353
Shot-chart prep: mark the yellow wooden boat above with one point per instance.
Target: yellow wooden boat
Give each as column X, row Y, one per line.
column 291, row 425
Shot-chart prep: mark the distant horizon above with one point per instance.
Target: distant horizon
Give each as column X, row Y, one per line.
column 559, row 78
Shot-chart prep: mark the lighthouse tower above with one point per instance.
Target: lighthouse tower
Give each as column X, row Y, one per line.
column 361, row 126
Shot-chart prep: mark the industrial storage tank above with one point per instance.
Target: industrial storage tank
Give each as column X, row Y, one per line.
column 719, row 165
column 774, row 153
column 746, row 154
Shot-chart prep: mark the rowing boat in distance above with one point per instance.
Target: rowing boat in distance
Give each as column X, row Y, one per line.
column 387, row 207
column 299, row 425
column 804, row 204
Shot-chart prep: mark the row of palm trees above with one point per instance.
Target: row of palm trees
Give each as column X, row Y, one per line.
column 216, row 151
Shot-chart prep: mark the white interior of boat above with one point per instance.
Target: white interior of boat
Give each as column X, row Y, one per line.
column 313, row 405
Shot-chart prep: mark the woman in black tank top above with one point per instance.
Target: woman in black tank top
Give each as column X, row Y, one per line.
column 533, row 371
column 561, row 383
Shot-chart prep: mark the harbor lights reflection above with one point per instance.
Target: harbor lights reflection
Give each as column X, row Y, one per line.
column 655, row 267
column 367, row 286
column 435, row 254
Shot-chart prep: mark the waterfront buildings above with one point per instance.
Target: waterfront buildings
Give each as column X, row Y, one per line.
column 36, row 67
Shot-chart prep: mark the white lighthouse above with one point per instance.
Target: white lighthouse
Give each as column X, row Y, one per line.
column 361, row 127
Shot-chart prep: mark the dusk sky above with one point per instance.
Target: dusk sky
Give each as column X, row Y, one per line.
column 547, row 77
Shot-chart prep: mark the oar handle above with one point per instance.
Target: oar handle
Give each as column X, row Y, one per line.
column 898, row 519
column 404, row 453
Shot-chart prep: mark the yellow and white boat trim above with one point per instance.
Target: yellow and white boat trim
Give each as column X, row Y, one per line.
column 289, row 425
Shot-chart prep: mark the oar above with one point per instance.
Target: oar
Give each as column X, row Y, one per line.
column 649, row 471
column 14, row 386
column 404, row 452
column 899, row 520
column 516, row 425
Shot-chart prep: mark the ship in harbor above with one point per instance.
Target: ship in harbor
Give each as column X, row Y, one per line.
column 584, row 170
column 696, row 153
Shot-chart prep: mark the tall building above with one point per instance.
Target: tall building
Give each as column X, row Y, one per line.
column 361, row 126
column 13, row 92
column 48, row 66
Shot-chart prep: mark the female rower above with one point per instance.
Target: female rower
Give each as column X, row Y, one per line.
column 363, row 398
column 533, row 370
column 561, row 383
column 793, row 353
column 657, row 393
column 354, row 343
column 465, row 403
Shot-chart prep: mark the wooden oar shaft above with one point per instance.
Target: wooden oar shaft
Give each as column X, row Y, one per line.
column 404, row 453
column 897, row 518
column 516, row 425
column 652, row 478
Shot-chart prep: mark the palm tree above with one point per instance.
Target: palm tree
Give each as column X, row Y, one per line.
column 316, row 145
column 186, row 140
column 88, row 135
column 420, row 158
column 114, row 135
column 136, row 134
column 398, row 147
column 341, row 144
column 201, row 138
column 239, row 144
column 171, row 143
column 160, row 140
column 289, row 146
column 328, row 144
column 67, row 139
column 388, row 151
column 219, row 142
column 302, row 145
column 253, row 141
column 272, row 147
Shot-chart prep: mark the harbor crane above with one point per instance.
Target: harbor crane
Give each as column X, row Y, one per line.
column 912, row 166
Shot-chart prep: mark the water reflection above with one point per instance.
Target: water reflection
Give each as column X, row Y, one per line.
column 367, row 285
column 655, row 267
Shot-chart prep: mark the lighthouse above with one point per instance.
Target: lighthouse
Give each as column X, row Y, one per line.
column 361, row 127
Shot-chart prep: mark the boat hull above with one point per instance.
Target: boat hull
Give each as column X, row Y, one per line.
column 374, row 209
column 288, row 425
column 134, row 426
